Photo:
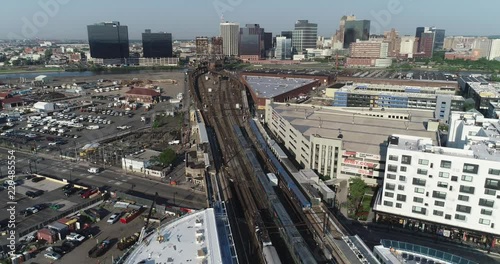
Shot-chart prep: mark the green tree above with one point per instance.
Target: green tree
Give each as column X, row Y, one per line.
column 357, row 189
column 166, row 158
column 48, row 54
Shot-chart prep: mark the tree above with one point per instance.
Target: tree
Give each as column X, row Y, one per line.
column 357, row 189
column 48, row 54
column 165, row 158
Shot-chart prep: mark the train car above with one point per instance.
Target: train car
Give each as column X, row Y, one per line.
column 270, row 255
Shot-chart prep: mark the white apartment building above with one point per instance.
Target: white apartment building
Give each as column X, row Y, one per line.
column 230, row 33
column 495, row 50
column 457, row 188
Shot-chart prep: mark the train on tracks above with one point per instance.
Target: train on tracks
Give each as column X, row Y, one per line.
column 293, row 239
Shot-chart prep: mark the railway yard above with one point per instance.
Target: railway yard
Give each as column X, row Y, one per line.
column 276, row 219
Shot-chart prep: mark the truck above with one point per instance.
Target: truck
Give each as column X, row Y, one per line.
column 99, row 249
column 127, row 242
column 93, row 127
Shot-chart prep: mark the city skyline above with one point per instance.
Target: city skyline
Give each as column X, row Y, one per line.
column 55, row 19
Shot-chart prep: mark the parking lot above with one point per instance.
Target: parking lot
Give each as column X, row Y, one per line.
column 48, row 204
column 407, row 75
column 100, row 231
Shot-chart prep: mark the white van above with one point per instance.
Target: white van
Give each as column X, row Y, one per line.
column 94, row 170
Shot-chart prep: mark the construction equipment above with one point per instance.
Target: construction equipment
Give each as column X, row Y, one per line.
column 143, row 231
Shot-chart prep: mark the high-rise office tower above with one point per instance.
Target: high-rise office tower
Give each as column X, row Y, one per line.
column 305, row 35
column 251, row 42
column 394, row 41
column 216, row 46
column 230, row 33
column 339, row 34
column 156, row 45
column 426, row 44
column 439, row 35
column 268, row 41
column 354, row 30
column 283, row 50
column 108, row 40
column 287, row 34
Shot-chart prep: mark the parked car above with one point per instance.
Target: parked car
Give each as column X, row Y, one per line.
column 56, row 249
column 52, row 255
column 38, row 193
column 75, row 237
column 38, row 179
column 94, row 170
column 70, row 191
column 33, row 210
column 113, row 218
column 67, row 187
column 30, row 194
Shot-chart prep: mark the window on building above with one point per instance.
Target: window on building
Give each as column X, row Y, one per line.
column 402, row 168
column 418, row 200
column 463, row 209
column 464, row 198
column 391, row 176
column 423, row 162
column 454, row 178
column 445, row 175
column 439, row 203
column 399, row 205
column 460, row 217
column 389, row 194
column 467, row 189
column 419, row 210
column 446, row 164
column 422, row 171
column 419, row 182
column 419, row 190
column 401, row 187
column 402, row 178
column 401, row 198
column 484, row 221
column 490, row 192
column 486, row 212
column 406, row 160
column 494, row 172
column 467, row 178
column 392, row 168
column 437, row 213
column 471, row 168
column 447, row 217
column 443, row 184
column 393, row 157
column 390, row 186
column 486, row 202
column 439, row 195
column 492, row 184
column 388, row 203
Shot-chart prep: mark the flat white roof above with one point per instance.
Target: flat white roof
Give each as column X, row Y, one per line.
column 269, row 87
column 190, row 239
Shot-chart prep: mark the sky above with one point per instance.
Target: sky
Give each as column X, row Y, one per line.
column 186, row 19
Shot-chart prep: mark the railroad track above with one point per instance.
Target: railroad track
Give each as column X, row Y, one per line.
column 218, row 108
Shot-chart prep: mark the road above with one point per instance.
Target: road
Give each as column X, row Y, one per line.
column 175, row 195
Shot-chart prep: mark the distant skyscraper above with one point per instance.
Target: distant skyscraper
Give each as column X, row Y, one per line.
column 339, row 34
column 426, row 44
column 394, row 41
column 201, row 46
column 251, row 42
column 438, row 38
column 108, row 40
column 287, row 34
column 283, row 49
column 156, row 45
column 268, row 41
column 305, row 35
column 354, row 30
column 216, row 47
column 230, row 33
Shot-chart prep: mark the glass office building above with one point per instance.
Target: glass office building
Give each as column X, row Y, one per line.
column 156, row 45
column 305, row 35
column 252, row 40
column 356, row 29
column 108, row 40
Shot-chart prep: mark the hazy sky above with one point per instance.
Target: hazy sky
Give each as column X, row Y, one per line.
column 67, row 19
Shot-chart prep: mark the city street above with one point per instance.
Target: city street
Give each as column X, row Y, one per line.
column 182, row 196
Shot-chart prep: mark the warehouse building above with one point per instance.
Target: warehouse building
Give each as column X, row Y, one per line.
column 142, row 95
column 342, row 142
column 280, row 89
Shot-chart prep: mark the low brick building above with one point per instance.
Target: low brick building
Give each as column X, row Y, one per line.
column 143, row 95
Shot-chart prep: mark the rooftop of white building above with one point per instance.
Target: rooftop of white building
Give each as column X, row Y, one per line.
column 399, row 90
column 190, row 239
column 269, row 87
column 486, row 90
column 143, row 155
column 362, row 130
